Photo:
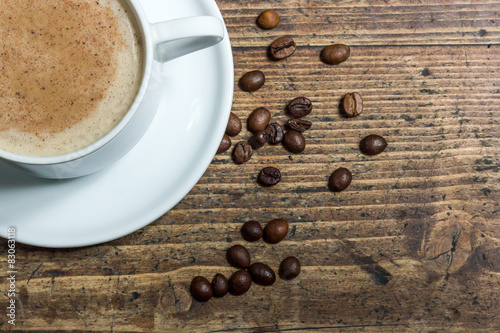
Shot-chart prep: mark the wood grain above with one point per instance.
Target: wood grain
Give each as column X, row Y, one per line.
column 413, row 245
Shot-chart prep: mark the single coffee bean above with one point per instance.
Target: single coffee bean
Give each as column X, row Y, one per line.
column 352, row 104
column 373, row 144
column 275, row 133
column 259, row 119
column 282, row 48
column 275, row 231
column 251, row 231
column 259, row 139
column 300, row 107
column 225, row 144
column 240, row 282
column 294, row 141
column 242, row 152
column 340, row 180
column 269, row 176
column 238, row 256
column 201, row 289
column 268, row 19
column 289, row 268
column 262, row 274
column 220, row 285
column 299, row 125
column 233, row 125
column 252, row 81
column 335, row 54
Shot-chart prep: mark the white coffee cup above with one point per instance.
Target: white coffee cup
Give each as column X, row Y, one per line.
column 162, row 42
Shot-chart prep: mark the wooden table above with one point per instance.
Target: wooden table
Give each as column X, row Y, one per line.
column 412, row 245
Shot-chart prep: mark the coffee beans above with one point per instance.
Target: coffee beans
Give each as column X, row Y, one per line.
column 251, row 231
column 352, row 104
column 242, row 152
column 252, row 81
column 275, row 231
column 373, row 144
column 201, row 289
column 300, row 107
column 299, row 125
column 294, row 141
column 259, row 123
column 274, row 133
column 259, row 119
column 225, row 144
column 340, row 180
column 268, row 19
column 233, row 125
column 262, row 274
column 240, row 282
column 282, row 48
column 220, row 285
column 335, row 54
column 289, row 268
column 269, row 176
column 238, row 256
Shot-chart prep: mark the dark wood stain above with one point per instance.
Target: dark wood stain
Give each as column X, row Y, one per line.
column 378, row 273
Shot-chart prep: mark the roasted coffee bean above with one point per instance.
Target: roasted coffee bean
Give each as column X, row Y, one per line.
column 259, row 119
column 268, row 19
column 282, row 48
column 233, row 125
column 201, row 289
column 220, row 285
column 238, row 256
column 252, row 81
column 300, row 107
column 373, row 144
column 225, row 144
column 262, row 274
column 275, row 231
column 240, row 282
column 289, row 268
column 340, row 180
column 335, row 54
column 242, row 152
column 299, row 125
column 294, row 141
column 352, row 104
column 269, row 176
column 251, row 231
column 259, row 139
column 275, row 133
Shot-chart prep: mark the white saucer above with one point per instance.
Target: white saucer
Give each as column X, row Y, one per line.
column 151, row 178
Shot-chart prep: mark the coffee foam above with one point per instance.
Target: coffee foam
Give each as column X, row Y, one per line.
column 69, row 71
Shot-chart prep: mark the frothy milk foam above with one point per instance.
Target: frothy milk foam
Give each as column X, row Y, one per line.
column 69, row 71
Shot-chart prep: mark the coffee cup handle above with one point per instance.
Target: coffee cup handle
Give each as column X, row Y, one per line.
column 175, row 38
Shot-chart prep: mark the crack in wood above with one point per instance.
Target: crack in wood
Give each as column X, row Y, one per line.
column 311, row 328
column 33, row 273
column 454, row 242
column 451, row 251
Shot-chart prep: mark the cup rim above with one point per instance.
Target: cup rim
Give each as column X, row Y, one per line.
column 144, row 29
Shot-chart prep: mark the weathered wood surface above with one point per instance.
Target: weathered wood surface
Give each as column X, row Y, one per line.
column 412, row 245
